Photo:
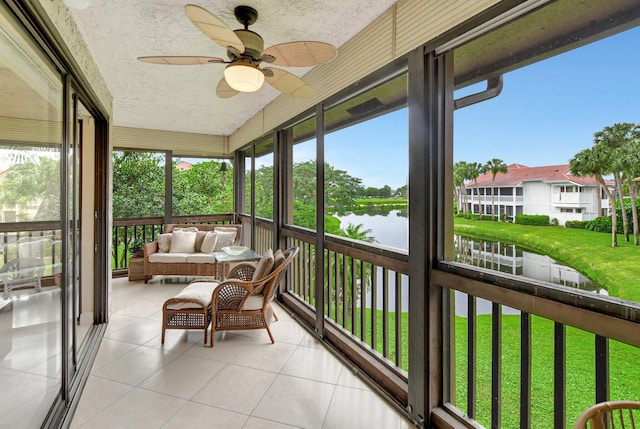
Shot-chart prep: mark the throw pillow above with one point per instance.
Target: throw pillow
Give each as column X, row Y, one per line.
column 183, row 242
column 265, row 266
column 186, row 229
column 225, row 228
column 209, row 242
column 164, row 242
column 224, row 239
column 278, row 258
column 199, row 239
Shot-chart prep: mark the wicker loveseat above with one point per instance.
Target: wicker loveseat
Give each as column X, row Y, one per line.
column 167, row 256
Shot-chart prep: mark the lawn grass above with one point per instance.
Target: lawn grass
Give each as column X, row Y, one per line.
column 580, row 373
column 381, row 201
column 614, row 268
column 580, row 364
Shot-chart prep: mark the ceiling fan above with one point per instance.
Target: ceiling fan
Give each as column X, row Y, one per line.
column 245, row 49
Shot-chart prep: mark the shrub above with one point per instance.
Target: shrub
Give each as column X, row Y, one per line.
column 578, row 224
column 627, row 206
column 503, row 217
column 603, row 224
column 136, row 245
column 524, row 219
column 555, row 221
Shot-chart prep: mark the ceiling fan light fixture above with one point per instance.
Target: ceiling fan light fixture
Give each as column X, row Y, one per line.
column 244, row 78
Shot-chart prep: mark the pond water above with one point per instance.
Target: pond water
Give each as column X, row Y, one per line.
column 391, row 229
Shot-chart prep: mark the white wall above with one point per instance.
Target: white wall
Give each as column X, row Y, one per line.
column 537, row 198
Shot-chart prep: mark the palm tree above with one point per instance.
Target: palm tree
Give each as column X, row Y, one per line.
column 629, row 160
column 495, row 166
column 356, row 232
column 460, row 176
column 476, row 170
column 616, row 137
column 596, row 162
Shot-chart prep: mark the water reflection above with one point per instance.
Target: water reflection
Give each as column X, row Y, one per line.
column 511, row 259
column 391, row 228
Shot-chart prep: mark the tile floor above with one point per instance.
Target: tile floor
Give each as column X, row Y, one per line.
column 243, row 382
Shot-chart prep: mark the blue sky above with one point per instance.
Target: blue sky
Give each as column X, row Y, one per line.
column 547, row 112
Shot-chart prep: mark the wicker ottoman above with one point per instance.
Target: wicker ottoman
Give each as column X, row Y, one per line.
column 190, row 309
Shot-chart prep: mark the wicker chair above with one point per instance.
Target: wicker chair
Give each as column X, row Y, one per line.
column 609, row 415
column 234, row 307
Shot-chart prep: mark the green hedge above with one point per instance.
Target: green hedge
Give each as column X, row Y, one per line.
column 578, row 224
column 603, row 224
column 524, row 219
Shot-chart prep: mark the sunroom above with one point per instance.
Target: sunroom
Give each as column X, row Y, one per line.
column 90, row 166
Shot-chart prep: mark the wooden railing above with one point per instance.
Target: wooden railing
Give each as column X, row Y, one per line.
column 365, row 302
column 126, row 231
column 536, row 354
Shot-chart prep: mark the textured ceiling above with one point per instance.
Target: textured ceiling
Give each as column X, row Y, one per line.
column 182, row 98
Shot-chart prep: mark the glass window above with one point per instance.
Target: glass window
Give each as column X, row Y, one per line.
column 138, row 184
column 264, row 178
column 31, row 185
column 302, row 206
column 246, row 201
column 545, row 108
column 366, row 166
column 200, row 186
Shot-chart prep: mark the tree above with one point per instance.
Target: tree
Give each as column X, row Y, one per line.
column 460, row 176
column 475, row 170
column 596, row 162
column 200, row 190
column 629, row 160
column 386, row 192
column 264, row 192
column 34, row 181
column 341, row 189
column 138, row 184
column 495, row 166
column 403, row 191
column 616, row 137
column 356, row 232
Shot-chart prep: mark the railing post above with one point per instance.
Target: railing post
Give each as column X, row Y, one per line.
column 319, row 245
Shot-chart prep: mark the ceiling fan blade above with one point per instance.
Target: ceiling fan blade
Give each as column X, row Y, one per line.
column 224, row 90
column 213, row 28
column 301, row 54
column 288, row 83
column 180, row 60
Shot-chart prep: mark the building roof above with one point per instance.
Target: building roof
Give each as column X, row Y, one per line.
column 184, row 165
column 518, row 173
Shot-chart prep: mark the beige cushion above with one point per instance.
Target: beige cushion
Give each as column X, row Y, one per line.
column 199, row 291
column 169, row 258
column 199, row 239
column 224, row 239
column 201, row 258
column 264, row 268
column 254, row 302
column 209, row 242
column 186, row 229
column 226, row 229
column 164, row 242
column 278, row 259
column 183, row 242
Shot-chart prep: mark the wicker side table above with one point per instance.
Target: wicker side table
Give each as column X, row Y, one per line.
column 136, row 269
